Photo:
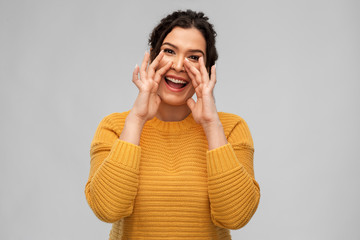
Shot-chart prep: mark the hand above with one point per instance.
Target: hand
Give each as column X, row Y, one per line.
column 147, row 102
column 204, row 109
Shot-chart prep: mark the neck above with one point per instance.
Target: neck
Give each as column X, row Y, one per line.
column 170, row 113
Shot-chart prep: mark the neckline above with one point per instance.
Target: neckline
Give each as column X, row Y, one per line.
column 175, row 126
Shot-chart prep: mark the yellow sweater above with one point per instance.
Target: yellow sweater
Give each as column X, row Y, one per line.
column 171, row 186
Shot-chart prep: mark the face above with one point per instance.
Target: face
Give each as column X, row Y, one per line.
column 176, row 87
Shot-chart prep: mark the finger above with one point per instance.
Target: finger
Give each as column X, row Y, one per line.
column 203, row 71
column 194, row 71
column 154, row 64
column 157, row 100
column 160, row 73
column 213, row 76
column 191, row 104
column 194, row 82
column 143, row 66
column 192, row 76
column 135, row 77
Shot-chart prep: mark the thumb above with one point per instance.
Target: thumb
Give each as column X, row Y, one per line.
column 157, row 100
column 191, row 103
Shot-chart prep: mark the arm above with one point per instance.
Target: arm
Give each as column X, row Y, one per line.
column 115, row 153
column 233, row 192
column 113, row 179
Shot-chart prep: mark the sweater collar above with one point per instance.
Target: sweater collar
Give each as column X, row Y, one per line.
column 186, row 123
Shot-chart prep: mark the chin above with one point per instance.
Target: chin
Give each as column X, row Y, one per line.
column 173, row 100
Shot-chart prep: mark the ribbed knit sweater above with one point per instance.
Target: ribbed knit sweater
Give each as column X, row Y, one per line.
column 171, row 186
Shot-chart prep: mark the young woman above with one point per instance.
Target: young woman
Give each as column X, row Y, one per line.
column 173, row 167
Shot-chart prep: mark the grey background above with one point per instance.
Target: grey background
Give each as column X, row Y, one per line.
column 289, row 68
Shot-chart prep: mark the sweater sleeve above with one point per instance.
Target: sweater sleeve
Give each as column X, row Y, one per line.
column 114, row 171
column 233, row 192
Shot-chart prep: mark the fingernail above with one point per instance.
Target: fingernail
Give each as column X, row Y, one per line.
column 187, row 59
column 136, row 65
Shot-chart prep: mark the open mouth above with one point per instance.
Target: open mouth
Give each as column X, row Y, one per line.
column 175, row 83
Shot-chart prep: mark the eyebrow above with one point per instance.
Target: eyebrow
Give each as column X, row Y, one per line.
column 191, row 50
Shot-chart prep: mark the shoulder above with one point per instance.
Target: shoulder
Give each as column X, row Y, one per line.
column 114, row 121
column 229, row 117
column 229, row 121
column 235, row 128
column 117, row 117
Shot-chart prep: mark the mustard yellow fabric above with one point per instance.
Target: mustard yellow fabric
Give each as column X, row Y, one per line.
column 171, row 186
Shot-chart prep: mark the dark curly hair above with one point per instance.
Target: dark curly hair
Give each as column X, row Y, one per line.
column 185, row 19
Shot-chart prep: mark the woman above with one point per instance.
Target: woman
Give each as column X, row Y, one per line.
column 172, row 167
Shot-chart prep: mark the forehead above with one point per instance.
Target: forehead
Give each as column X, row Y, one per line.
column 186, row 38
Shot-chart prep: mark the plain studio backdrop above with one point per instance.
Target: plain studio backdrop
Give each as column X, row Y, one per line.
column 289, row 68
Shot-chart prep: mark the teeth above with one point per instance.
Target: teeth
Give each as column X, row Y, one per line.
column 176, row 80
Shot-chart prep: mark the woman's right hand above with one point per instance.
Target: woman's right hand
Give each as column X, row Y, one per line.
column 147, row 101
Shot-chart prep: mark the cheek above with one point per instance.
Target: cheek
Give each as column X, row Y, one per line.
column 191, row 92
column 197, row 65
column 165, row 60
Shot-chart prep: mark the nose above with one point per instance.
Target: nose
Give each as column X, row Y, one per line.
column 178, row 64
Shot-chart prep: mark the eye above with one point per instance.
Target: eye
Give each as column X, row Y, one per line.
column 194, row 58
column 168, row 50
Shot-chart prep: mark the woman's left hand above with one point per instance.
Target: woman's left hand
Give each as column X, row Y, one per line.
column 204, row 109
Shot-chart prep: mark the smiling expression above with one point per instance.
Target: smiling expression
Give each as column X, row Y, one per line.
column 176, row 87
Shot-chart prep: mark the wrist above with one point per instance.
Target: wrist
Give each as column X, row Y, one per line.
column 132, row 130
column 134, row 120
column 212, row 126
column 215, row 135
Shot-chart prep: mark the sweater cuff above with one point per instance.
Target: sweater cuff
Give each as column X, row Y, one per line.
column 221, row 159
column 125, row 153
